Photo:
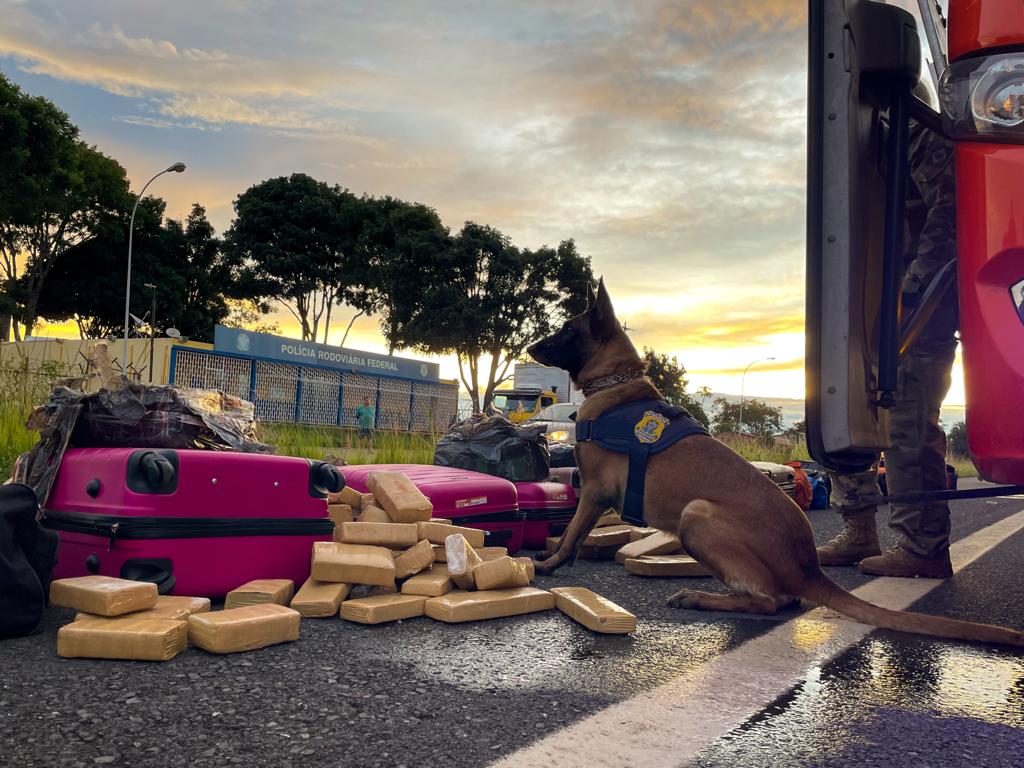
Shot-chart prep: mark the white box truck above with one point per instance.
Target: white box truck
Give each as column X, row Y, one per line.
column 546, row 379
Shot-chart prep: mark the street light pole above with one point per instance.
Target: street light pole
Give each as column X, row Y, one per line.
column 176, row 168
column 152, row 329
column 743, row 379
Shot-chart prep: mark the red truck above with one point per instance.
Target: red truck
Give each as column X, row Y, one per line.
column 872, row 66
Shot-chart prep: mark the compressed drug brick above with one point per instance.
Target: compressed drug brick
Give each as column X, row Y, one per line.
column 320, row 599
column 456, row 607
column 661, row 543
column 352, row 563
column 414, row 560
column 243, row 629
column 103, row 595
column 260, row 591
column 382, row 608
column 596, row 613
column 399, row 496
column 503, row 573
column 390, row 535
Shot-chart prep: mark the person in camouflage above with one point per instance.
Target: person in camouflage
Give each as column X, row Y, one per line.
column 916, row 458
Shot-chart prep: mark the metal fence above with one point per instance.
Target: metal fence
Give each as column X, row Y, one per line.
column 312, row 395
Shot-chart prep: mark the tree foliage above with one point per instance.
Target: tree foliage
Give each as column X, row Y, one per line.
column 759, row 418
column 400, row 243
column 669, row 376
column 296, row 239
column 957, row 440
column 56, row 193
column 485, row 298
column 184, row 260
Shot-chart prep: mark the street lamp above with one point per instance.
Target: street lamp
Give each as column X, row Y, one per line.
column 743, row 381
column 176, row 168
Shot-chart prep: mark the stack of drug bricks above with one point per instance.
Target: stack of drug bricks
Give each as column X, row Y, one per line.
column 391, row 560
column 643, row 551
column 121, row 619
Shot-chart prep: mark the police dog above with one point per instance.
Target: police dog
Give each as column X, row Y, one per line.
column 730, row 518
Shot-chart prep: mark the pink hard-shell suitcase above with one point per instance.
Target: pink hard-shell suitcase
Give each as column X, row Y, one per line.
column 567, row 475
column 545, row 506
column 194, row 522
column 467, row 498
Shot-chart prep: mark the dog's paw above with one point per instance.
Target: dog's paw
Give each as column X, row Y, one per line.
column 548, row 566
column 681, row 599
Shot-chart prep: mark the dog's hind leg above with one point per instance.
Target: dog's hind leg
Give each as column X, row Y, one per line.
column 715, row 601
column 717, row 543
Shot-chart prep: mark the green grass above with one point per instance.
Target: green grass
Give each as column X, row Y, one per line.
column 759, row 450
column 964, row 466
column 20, row 392
column 311, row 442
column 15, row 438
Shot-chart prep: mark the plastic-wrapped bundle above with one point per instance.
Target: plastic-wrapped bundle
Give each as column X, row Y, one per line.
column 496, row 446
column 134, row 416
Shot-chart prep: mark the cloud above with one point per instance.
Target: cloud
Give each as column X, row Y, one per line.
column 666, row 137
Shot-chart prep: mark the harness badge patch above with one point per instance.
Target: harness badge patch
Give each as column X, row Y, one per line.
column 650, row 427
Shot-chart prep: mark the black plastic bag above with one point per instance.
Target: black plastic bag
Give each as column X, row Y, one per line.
column 134, row 416
column 495, row 446
column 562, row 455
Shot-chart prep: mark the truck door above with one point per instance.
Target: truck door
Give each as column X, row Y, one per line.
column 865, row 60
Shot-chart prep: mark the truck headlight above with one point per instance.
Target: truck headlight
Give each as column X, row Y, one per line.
column 558, row 436
column 983, row 98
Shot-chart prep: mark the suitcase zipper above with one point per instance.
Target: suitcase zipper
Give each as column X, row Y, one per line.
column 564, row 514
column 115, row 527
column 515, row 516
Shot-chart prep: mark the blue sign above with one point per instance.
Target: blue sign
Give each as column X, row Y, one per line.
column 239, row 342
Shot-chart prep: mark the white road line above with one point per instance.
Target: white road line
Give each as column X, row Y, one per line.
column 669, row 725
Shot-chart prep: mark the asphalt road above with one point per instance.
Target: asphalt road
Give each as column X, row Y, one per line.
column 424, row 693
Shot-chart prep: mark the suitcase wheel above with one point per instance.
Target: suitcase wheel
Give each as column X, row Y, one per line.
column 157, row 571
column 152, row 472
column 325, row 478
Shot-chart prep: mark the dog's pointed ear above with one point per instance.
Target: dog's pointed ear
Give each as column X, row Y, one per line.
column 602, row 315
column 591, row 295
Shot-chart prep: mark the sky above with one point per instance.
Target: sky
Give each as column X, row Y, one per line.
column 667, row 138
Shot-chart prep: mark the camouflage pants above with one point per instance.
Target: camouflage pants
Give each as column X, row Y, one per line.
column 916, row 458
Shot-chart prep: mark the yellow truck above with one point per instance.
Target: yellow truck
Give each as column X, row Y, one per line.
column 518, row 405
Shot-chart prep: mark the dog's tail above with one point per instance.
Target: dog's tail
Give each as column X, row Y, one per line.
column 826, row 592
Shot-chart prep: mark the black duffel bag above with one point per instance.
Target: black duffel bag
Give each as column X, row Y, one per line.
column 28, row 553
column 495, row 446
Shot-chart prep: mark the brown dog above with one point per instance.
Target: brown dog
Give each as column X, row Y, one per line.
column 732, row 519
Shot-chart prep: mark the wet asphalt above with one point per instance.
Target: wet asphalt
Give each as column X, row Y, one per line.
column 421, row 692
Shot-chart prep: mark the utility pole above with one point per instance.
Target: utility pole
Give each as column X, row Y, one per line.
column 152, row 329
column 176, row 168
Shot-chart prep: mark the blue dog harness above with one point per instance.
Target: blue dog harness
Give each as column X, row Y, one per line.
column 639, row 428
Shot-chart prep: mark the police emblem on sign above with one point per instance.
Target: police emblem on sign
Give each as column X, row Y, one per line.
column 1017, row 294
column 650, row 427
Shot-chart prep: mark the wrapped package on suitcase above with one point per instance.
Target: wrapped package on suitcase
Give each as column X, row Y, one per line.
column 464, row 498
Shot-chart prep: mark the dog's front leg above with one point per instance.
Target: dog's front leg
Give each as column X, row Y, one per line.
column 592, row 505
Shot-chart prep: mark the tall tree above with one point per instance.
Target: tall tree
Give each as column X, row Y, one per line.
column 88, row 280
column 55, row 193
column 669, row 376
column 296, row 239
column 183, row 261
column 758, row 417
column 196, row 278
column 400, row 242
column 485, row 298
